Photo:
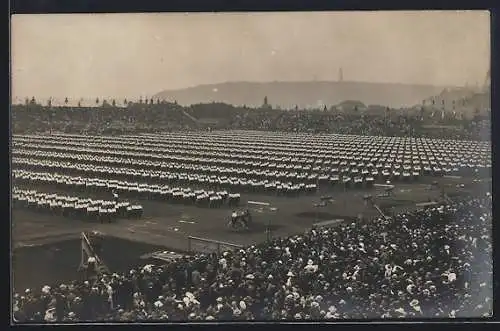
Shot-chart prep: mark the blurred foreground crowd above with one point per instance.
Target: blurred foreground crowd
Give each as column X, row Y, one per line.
column 165, row 116
column 433, row 262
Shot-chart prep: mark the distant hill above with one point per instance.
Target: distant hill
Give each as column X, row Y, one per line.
column 303, row 94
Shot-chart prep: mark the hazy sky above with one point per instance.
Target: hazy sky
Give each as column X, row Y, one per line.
column 128, row 55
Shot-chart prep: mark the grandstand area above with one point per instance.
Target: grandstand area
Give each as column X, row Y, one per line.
column 188, row 183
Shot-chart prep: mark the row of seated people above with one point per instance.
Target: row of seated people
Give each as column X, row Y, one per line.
column 163, row 177
column 330, row 150
column 442, row 157
column 200, row 173
column 74, row 207
column 446, row 163
column 349, row 177
column 134, row 190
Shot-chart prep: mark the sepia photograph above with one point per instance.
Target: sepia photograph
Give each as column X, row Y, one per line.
column 250, row 166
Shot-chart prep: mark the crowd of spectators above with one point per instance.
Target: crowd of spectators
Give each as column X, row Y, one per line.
column 165, row 116
column 106, row 119
column 321, row 122
column 388, row 123
column 434, row 262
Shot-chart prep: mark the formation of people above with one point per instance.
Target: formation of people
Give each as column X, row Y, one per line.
column 433, row 262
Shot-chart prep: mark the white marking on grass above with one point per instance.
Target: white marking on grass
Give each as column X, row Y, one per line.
column 423, row 204
column 25, row 245
column 383, row 185
column 258, row 203
column 188, row 222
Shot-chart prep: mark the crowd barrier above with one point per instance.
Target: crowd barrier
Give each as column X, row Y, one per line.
column 207, row 246
column 327, row 224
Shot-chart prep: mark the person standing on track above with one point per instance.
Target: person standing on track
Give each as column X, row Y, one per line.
column 246, row 219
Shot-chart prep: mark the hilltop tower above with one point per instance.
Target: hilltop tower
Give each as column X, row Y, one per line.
column 341, row 75
column 266, row 104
